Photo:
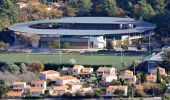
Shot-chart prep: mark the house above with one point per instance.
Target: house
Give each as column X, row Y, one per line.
column 127, row 76
column 27, row 88
column 19, row 86
column 48, row 74
column 36, row 91
column 151, row 78
column 77, row 69
column 65, row 79
column 74, row 86
column 109, row 78
column 66, row 70
column 111, row 89
column 126, row 72
column 58, row 90
column 86, row 71
column 39, row 84
column 161, row 71
column 13, row 94
column 105, row 71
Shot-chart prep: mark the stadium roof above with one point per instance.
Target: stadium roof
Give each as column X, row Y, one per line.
column 141, row 26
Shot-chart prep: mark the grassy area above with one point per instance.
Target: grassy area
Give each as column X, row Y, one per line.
column 79, row 59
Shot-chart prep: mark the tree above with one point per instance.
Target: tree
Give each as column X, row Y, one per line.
column 143, row 77
column 166, row 97
column 110, row 7
column 33, row 12
column 3, row 88
column 8, row 15
column 106, row 7
column 153, row 89
column 162, row 21
column 166, row 57
column 66, row 45
column 116, row 82
column 158, row 5
column 118, row 92
column 36, row 67
column 135, row 63
column 163, row 85
column 67, row 94
column 158, row 80
column 3, row 46
column 78, row 94
column 23, row 68
column 83, row 7
column 56, row 14
column 143, row 10
column 89, row 94
column 11, row 67
column 34, row 40
column 28, row 40
column 71, row 12
column 54, row 44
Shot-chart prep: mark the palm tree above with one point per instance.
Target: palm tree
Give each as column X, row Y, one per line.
column 135, row 63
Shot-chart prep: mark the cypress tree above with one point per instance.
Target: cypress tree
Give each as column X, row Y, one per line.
column 158, row 76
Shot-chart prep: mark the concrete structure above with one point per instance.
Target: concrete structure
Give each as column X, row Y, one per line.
column 50, row 74
column 105, row 71
column 109, row 78
column 74, row 86
column 84, row 32
column 35, row 91
column 39, row 84
column 19, row 86
column 66, row 70
column 111, row 89
column 57, row 90
column 65, row 79
column 77, row 69
column 127, row 76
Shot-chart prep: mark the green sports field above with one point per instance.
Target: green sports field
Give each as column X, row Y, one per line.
column 65, row 58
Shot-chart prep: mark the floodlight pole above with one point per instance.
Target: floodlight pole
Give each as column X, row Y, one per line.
column 149, row 52
column 121, row 55
column 27, row 55
column 140, row 46
column 59, row 49
column 90, row 45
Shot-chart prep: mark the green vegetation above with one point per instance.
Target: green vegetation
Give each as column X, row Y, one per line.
column 3, row 88
column 158, row 76
column 65, row 59
column 166, row 57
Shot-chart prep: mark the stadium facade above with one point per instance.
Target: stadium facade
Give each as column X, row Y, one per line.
column 84, row 32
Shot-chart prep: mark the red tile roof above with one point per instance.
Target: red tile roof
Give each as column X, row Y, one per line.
column 13, row 94
column 50, row 72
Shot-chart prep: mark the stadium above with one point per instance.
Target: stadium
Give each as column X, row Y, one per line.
column 84, row 32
